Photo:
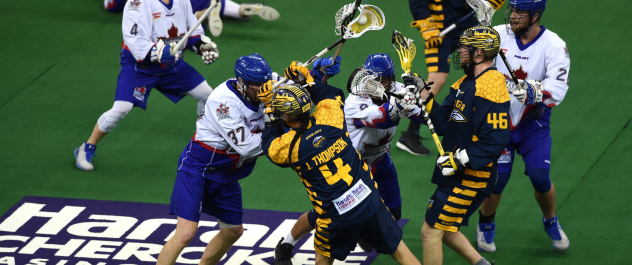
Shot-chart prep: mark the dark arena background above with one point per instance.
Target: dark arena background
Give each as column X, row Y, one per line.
column 59, row 71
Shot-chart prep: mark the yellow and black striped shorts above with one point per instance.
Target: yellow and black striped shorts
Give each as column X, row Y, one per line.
column 451, row 207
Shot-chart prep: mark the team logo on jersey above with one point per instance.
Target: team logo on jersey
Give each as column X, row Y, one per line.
column 363, row 106
column 133, row 5
column 139, row 93
column 157, row 15
column 457, row 116
column 223, row 112
column 319, row 142
column 379, row 149
column 520, row 74
column 505, row 158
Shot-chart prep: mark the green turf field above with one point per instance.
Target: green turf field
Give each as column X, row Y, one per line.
column 61, row 59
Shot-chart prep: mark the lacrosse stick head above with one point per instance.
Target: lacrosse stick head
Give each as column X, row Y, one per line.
column 405, row 49
column 484, row 11
column 350, row 27
column 363, row 82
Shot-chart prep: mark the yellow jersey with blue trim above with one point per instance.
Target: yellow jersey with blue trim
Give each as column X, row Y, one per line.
column 338, row 183
column 474, row 116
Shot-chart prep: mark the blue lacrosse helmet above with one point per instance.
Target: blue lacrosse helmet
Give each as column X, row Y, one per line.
column 529, row 5
column 253, row 68
column 380, row 64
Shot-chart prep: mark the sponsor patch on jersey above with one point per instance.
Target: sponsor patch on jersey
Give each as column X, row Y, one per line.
column 363, row 106
column 352, row 198
column 505, row 158
column 46, row 230
column 133, row 5
column 319, row 142
column 139, row 93
column 223, row 112
column 457, row 116
column 157, row 15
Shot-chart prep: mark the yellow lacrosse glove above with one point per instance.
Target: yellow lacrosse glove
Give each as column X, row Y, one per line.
column 429, row 32
column 297, row 72
column 265, row 93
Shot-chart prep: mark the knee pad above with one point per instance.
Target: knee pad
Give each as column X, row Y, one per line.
column 540, row 179
column 503, row 178
column 201, row 94
column 108, row 120
column 396, row 212
column 312, row 216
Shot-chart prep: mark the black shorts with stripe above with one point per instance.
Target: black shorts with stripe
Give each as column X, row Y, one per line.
column 380, row 230
column 438, row 59
column 451, row 207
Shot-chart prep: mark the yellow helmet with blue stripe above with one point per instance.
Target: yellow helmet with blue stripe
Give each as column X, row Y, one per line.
column 292, row 100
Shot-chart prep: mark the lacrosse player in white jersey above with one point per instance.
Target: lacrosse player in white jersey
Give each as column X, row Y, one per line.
column 151, row 30
column 541, row 62
column 223, row 150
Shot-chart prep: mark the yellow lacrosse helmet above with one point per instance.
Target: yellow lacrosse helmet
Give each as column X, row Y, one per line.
column 482, row 37
column 292, row 100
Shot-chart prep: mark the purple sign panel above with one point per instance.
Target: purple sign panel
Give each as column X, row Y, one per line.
column 57, row 231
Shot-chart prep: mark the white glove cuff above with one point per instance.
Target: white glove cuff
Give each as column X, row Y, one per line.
column 461, row 155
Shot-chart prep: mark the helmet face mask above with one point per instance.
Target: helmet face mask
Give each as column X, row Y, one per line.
column 521, row 15
column 476, row 42
column 252, row 72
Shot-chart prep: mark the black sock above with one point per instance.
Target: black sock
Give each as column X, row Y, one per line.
column 482, row 219
column 413, row 127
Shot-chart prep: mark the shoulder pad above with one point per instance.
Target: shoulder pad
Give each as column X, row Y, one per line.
column 457, row 84
column 328, row 112
column 492, row 85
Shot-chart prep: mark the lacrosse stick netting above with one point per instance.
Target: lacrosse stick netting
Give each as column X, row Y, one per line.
column 365, row 83
column 375, row 20
column 405, row 49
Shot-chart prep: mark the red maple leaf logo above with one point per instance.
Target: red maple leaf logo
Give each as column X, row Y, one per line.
column 520, row 74
column 385, row 140
column 173, row 33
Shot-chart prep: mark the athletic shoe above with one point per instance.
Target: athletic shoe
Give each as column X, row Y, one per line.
column 553, row 228
column 283, row 253
column 365, row 246
column 84, row 155
column 215, row 24
column 411, row 142
column 485, row 237
column 265, row 12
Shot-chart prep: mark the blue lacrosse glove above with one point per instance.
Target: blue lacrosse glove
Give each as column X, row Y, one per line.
column 161, row 53
column 321, row 67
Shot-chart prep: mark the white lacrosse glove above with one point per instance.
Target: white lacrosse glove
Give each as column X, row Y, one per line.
column 450, row 162
column 528, row 92
column 161, row 53
column 206, row 49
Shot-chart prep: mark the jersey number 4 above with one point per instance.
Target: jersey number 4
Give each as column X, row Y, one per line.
column 342, row 172
column 499, row 120
column 134, row 30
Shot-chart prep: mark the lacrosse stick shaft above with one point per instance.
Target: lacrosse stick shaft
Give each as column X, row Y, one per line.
column 197, row 24
column 311, row 60
column 513, row 76
column 333, row 58
column 453, row 26
column 435, row 137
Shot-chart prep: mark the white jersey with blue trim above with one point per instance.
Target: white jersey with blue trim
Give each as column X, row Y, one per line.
column 371, row 129
column 544, row 59
column 147, row 21
column 230, row 123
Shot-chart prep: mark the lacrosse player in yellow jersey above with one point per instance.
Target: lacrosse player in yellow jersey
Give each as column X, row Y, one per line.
column 338, row 182
column 431, row 17
column 473, row 122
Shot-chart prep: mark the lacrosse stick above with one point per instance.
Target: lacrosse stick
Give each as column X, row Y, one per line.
column 406, row 50
column 350, row 31
column 513, row 76
column 483, row 10
column 370, row 16
column 197, row 24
